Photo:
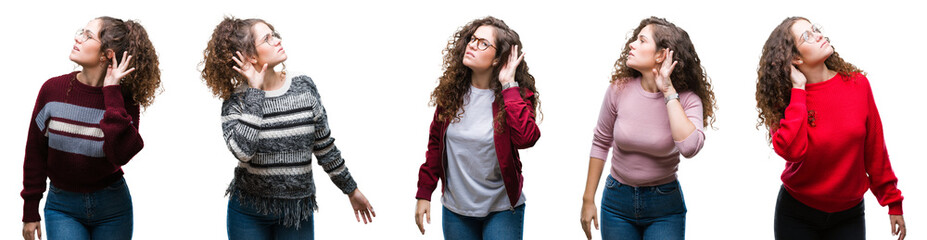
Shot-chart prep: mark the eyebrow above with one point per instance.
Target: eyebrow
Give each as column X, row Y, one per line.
column 477, row 37
column 641, row 36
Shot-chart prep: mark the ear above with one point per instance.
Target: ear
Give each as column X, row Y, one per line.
column 660, row 55
column 797, row 61
column 107, row 55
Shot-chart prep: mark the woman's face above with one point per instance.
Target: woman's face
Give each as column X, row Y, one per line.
column 643, row 55
column 268, row 45
column 812, row 45
column 481, row 50
column 86, row 51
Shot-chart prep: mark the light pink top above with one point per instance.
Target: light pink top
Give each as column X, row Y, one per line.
column 635, row 124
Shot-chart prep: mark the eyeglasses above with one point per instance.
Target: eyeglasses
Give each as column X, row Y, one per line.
column 806, row 36
column 82, row 35
column 271, row 39
column 481, row 43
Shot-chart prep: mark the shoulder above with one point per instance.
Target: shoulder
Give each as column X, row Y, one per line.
column 56, row 84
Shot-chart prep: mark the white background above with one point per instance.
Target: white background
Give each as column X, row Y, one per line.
column 376, row 63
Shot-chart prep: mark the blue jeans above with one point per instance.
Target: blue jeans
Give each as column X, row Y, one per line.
column 795, row 220
column 244, row 222
column 508, row 224
column 652, row 212
column 104, row 214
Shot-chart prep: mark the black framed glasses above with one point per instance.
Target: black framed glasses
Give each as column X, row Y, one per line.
column 481, row 43
column 806, row 36
column 82, row 35
column 271, row 39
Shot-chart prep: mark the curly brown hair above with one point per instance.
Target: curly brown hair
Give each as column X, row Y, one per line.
column 454, row 84
column 688, row 75
column 144, row 83
column 231, row 35
column 774, row 84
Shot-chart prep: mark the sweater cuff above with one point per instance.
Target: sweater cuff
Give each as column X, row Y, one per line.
column 798, row 96
column 31, row 211
column 511, row 94
column 423, row 194
column 112, row 97
column 895, row 209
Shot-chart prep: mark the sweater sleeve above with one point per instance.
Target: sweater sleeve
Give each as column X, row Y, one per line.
column 34, row 165
column 790, row 140
column 327, row 153
column 121, row 140
column 428, row 173
column 882, row 180
column 693, row 143
column 520, row 118
column 242, row 115
column 602, row 135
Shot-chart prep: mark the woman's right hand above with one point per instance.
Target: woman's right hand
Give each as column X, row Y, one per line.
column 422, row 209
column 588, row 216
column 31, row 230
column 255, row 78
column 798, row 78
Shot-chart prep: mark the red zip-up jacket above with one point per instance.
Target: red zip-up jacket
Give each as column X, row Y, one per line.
column 520, row 132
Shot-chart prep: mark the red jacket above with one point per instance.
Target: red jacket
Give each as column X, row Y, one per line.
column 520, row 132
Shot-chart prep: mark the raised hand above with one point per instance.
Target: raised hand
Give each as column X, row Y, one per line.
column 362, row 207
column 507, row 73
column 662, row 76
column 798, row 78
column 255, row 78
column 115, row 73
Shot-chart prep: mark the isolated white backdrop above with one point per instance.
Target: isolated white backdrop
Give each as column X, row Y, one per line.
column 376, row 62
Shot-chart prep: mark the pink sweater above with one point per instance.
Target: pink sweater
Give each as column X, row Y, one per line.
column 635, row 124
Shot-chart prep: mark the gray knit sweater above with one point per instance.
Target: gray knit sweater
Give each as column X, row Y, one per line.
column 274, row 135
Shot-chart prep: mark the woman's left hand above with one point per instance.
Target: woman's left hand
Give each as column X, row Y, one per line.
column 898, row 228
column 507, row 73
column 362, row 208
column 115, row 72
column 662, row 77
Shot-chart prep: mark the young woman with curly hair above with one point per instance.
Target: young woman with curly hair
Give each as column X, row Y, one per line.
column 654, row 110
column 84, row 128
column 273, row 123
column 485, row 110
column 823, row 121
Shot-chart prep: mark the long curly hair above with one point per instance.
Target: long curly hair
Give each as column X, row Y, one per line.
column 774, row 84
column 688, row 75
column 231, row 35
column 144, row 83
column 454, row 84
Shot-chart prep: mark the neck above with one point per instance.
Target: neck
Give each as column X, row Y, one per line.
column 272, row 80
column 481, row 79
column 91, row 76
column 816, row 73
column 648, row 82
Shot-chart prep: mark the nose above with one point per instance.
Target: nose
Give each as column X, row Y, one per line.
column 472, row 45
column 818, row 37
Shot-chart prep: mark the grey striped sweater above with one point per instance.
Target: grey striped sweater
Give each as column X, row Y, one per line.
column 274, row 135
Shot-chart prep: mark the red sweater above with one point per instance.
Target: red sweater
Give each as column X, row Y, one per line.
column 831, row 138
column 520, row 132
column 79, row 137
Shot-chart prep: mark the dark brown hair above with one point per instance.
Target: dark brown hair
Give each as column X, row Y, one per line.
column 231, row 35
column 454, row 84
column 144, row 83
column 774, row 84
column 688, row 75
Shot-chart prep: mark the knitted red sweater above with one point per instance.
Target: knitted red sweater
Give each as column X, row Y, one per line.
column 79, row 137
column 831, row 138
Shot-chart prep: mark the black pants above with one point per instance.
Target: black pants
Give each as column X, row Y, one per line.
column 795, row 220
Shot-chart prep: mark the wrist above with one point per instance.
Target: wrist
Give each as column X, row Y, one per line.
column 510, row 84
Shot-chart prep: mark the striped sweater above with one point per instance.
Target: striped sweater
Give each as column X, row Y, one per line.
column 274, row 134
column 79, row 137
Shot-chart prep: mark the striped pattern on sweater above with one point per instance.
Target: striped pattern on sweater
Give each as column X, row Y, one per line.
column 273, row 134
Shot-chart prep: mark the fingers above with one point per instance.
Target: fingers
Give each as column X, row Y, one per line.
column 596, row 221
column 368, row 212
column 238, row 70
column 586, row 229
column 357, row 216
column 894, row 227
column 38, row 231
column 428, row 215
column 418, row 221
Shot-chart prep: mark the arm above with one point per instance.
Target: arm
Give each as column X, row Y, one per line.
column 121, row 140
column 328, row 154
column 520, row 118
column 35, row 163
column 428, row 174
column 588, row 211
column 882, row 180
column 242, row 115
column 601, row 141
column 686, row 124
column 791, row 139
